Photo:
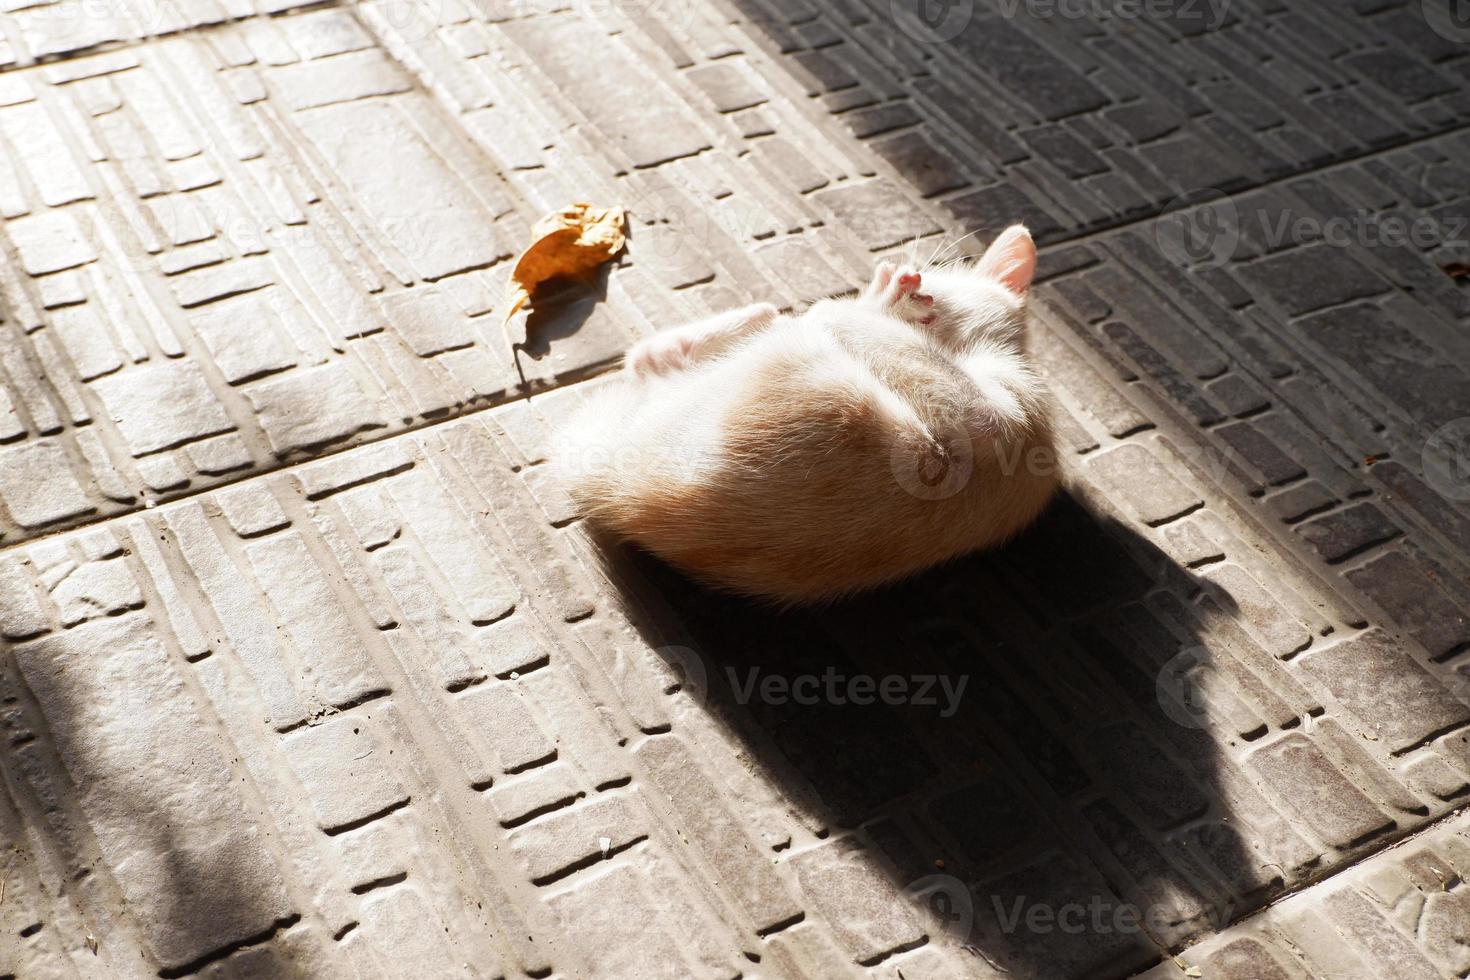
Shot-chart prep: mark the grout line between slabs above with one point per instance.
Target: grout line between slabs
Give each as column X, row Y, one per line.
column 573, row 378
column 1391, row 844
column 589, row 372
column 1102, row 231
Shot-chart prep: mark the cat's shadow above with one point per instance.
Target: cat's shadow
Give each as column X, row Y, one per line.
column 1038, row 712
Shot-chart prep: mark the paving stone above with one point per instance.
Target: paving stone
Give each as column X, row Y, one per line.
column 505, row 727
column 1170, row 901
column 312, row 620
column 1329, row 804
column 637, row 114
column 220, row 272
column 1134, row 467
column 875, row 214
column 554, row 845
column 217, row 265
column 548, row 788
column 252, row 511
column 312, row 408
column 36, row 485
column 23, row 615
column 737, row 859
column 346, row 771
column 1382, row 685
column 639, row 944
column 50, row 242
column 98, row 588
column 439, row 231
column 1245, row 958
column 191, row 412
column 1410, row 595
column 844, row 889
column 403, row 920
column 1394, row 361
column 1161, row 790
column 1345, row 533
column 729, row 86
column 123, row 757
column 49, row 29
column 1021, row 916
column 1301, row 500
column 1259, row 611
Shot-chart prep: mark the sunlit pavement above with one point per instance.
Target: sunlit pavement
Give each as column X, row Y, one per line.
column 307, row 670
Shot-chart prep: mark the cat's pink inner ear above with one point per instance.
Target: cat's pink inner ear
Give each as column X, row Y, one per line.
column 1011, row 259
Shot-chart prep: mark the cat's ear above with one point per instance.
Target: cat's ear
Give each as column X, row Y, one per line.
column 1011, row 259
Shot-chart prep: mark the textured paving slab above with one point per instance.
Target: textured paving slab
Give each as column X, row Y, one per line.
column 214, row 268
column 1075, row 115
column 40, row 30
column 384, row 713
column 1081, row 115
column 1398, row 914
column 374, row 712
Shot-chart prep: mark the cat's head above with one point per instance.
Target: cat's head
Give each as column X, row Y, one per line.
column 987, row 294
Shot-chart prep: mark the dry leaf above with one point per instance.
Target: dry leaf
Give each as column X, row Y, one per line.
column 569, row 243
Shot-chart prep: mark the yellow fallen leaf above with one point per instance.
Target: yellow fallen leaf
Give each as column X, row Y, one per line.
column 569, row 244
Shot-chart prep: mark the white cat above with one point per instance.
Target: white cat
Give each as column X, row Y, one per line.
column 803, row 458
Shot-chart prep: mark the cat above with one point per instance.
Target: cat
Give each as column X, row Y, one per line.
column 803, row 458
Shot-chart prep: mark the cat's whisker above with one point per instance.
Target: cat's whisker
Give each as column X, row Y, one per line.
column 939, row 248
column 950, row 247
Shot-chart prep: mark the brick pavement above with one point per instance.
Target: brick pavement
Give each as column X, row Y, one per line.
column 307, row 671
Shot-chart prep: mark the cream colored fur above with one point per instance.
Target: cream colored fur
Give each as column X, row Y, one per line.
column 802, row 458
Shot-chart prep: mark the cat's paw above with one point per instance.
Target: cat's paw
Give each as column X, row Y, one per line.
column 896, row 289
column 882, row 276
column 660, row 354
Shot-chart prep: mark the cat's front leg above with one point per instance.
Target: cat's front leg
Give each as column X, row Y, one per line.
column 681, row 347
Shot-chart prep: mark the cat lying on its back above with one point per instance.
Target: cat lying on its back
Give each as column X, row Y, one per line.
column 806, row 457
